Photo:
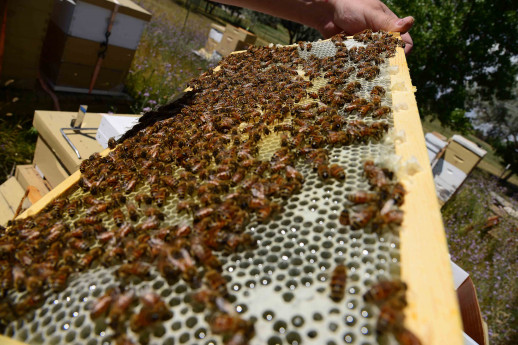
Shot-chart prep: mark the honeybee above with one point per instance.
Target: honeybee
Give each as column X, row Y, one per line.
column 362, row 197
column 137, row 269
column 119, row 310
column 388, row 319
column 405, row 337
column 183, row 230
column 266, row 212
column 393, row 217
column 323, row 171
column 398, row 194
column 112, row 143
column 96, row 209
column 159, row 196
column 381, row 111
column 71, row 208
column 149, row 224
column 132, row 211
column 28, row 302
column 143, row 198
column 337, row 172
column 344, row 217
column 222, row 323
column 183, row 261
column 153, row 310
column 360, row 218
column 237, row 242
column 338, row 281
column 101, row 305
column 87, row 259
column 378, row 90
column 383, row 290
column 118, row 216
column 152, row 212
column 200, row 251
column 375, row 174
column 376, row 100
column 125, row 229
column 216, row 282
column 294, row 174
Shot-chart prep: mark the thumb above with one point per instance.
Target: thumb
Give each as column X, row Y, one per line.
column 401, row 25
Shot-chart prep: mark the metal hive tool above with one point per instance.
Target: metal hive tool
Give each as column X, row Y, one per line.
column 282, row 284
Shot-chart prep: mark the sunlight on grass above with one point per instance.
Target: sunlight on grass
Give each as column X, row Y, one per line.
column 164, row 61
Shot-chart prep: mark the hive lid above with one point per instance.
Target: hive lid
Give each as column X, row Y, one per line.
column 469, row 145
column 125, row 7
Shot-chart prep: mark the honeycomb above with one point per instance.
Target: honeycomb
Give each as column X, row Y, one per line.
column 281, row 284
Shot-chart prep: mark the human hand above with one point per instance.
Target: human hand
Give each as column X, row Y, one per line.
column 352, row 16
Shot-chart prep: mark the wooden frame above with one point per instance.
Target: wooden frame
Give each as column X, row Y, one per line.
column 433, row 311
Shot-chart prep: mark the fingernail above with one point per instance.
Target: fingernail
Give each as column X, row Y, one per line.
column 400, row 22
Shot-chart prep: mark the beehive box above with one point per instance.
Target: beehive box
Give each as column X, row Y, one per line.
column 233, row 39
column 25, row 29
column 277, row 266
column 73, row 44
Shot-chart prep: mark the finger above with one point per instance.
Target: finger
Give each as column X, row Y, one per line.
column 403, row 25
column 409, row 44
column 330, row 30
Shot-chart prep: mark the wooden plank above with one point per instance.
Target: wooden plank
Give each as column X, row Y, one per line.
column 46, row 162
column 33, row 194
column 6, row 213
column 13, row 193
column 28, row 176
column 433, row 312
column 9, row 341
column 62, row 188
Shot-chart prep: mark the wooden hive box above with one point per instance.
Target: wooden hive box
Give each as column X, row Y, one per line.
column 25, row 29
column 432, row 311
column 74, row 41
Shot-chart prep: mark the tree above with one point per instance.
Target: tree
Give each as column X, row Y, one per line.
column 500, row 120
column 461, row 45
column 298, row 32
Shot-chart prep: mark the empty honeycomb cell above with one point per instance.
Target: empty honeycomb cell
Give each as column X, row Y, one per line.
column 275, row 340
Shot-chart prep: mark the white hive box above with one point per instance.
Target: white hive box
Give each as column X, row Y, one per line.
column 460, row 157
column 88, row 19
column 113, row 126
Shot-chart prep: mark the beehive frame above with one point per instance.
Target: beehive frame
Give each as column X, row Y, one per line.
column 432, row 312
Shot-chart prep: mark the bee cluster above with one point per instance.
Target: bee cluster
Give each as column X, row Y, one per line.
column 215, row 186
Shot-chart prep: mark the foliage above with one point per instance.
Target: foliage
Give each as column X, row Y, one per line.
column 16, row 146
column 460, row 45
column 299, row 32
column 487, row 252
column 296, row 31
column 458, row 121
column 500, row 120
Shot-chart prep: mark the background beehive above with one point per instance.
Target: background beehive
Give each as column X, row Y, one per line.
column 291, row 267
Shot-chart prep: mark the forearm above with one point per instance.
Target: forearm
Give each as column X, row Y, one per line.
column 331, row 17
column 314, row 13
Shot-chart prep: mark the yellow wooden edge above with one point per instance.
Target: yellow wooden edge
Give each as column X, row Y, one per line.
column 63, row 187
column 433, row 312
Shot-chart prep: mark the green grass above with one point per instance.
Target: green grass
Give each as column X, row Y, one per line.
column 487, row 253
